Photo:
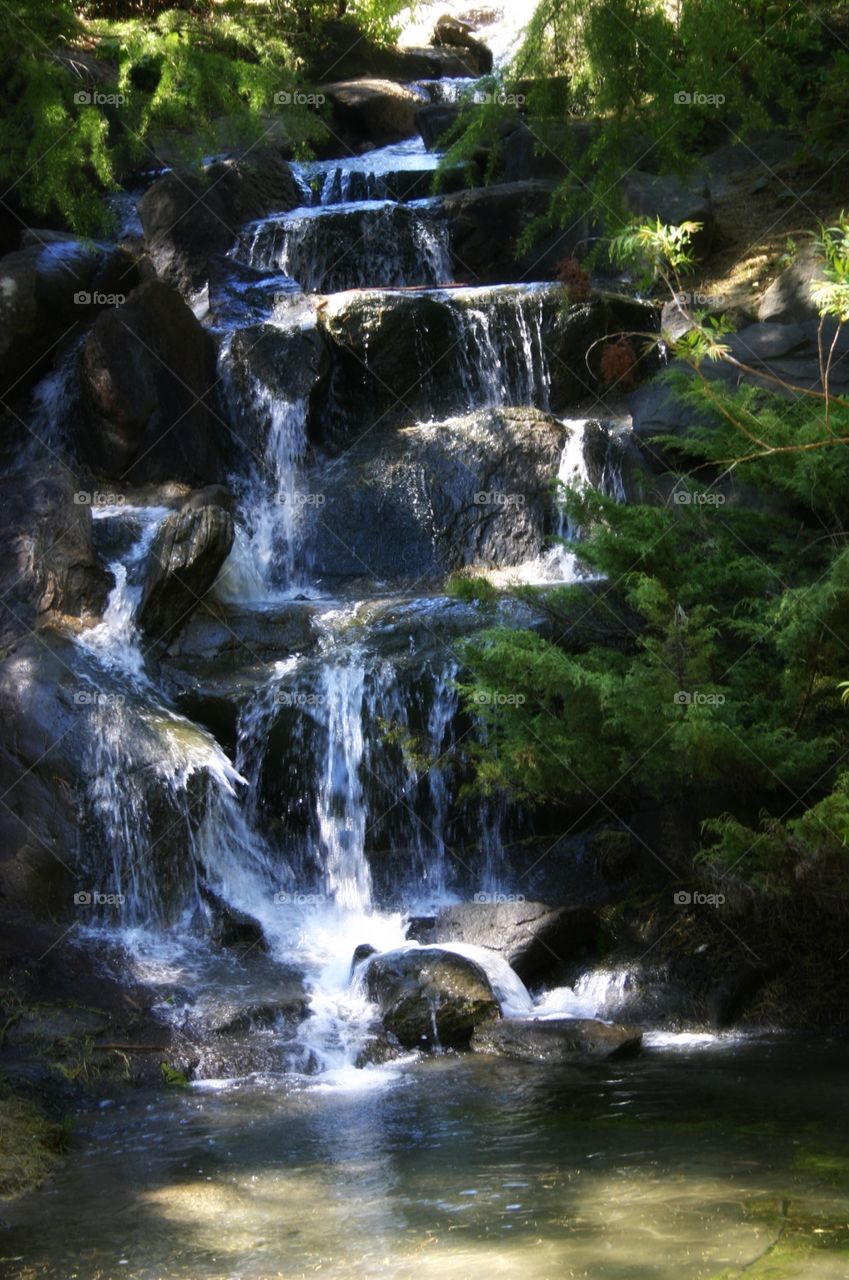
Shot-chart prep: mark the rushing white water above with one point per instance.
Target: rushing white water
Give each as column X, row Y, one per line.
column 340, row 806
column 400, row 170
column 115, row 641
column 348, row 246
column 594, row 995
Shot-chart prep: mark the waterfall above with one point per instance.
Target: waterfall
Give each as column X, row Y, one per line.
column 351, row 246
column 263, row 562
column 500, row 348
column 340, row 804
column 115, row 641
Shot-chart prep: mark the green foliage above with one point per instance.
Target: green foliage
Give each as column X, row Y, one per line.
column 702, row 602
column 173, row 1077
column 610, row 85
column 474, row 589
column 89, row 95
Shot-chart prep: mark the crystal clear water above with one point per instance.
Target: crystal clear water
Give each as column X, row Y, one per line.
column 716, row 1160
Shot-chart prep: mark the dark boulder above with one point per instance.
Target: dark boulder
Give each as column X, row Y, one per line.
column 459, row 36
column 429, row 997
column 48, row 290
column 50, row 566
column 428, row 499
column 190, row 222
column 148, row 377
column 481, row 257
column 434, row 120
column 649, row 195
column 374, row 111
column 185, row 559
column 562, row 1041
column 532, row 937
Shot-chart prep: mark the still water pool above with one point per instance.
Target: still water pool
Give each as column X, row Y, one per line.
column 706, row 1159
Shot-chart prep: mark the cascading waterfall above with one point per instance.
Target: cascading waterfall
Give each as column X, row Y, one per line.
column 501, row 350
column 340, row 806
column 378, row 826
column 115, row 641
column 264, row 559
column 349, row 246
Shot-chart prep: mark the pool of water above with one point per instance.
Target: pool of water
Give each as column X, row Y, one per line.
column 702, row 1158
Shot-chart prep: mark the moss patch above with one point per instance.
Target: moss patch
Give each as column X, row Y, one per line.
column 30, row 1146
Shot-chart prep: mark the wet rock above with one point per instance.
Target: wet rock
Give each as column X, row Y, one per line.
column 185, row 559
column 219, row 638
column 429, row 997
column 231, row 928
column 424, row 353
column 346, row 54
column 266, row 363
column 734, row 992
column 425, row 500
column 148, row 373
column 48, row 289
column 379, row 1047
column 483, row 258
column 561, row 1041
column 532, row 937
column 361, row 953
column 190, row 222
column 459, row 36
column 649, row 195
column 63, row 714
column 434, row 121
column 374, row 111
column 49, row 563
